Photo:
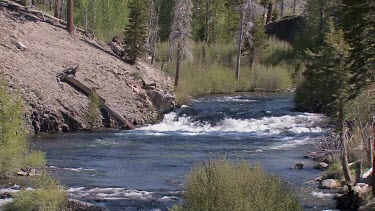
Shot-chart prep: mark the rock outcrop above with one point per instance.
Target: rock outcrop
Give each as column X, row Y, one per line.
column 33, row 53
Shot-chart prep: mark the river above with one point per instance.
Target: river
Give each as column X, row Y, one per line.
column 144, row 169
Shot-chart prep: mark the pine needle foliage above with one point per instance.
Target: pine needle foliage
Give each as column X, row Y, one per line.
column 326, row 75
column 359, row 24
column 136, row 29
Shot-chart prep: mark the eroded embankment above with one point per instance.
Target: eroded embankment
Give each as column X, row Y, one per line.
column 56, row 107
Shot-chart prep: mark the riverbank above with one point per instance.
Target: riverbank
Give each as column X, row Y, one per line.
column 33, row 55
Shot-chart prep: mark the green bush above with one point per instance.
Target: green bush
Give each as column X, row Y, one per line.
column 93, row 110
column 13, row 144
column 222, row 185
column 334, row 171
column 46, row 197
column 36, row 159
column 14, row 153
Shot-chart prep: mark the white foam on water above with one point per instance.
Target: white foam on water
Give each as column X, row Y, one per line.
column 266, row 126
column 110, row 193
column 226, row 99
column 78, row 169
column 5, row 201
column 322, row 195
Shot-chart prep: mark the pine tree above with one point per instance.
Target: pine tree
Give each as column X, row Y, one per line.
column 359, row 24
column 326, row 75
column 136, row 29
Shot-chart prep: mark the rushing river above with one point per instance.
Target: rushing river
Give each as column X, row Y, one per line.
column 144, row 169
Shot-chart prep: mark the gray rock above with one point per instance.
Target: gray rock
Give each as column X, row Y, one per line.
column 22, row 173
column 163, row 102
column 147, row 84
column 328, row 184
column 297, row 166
column 321, row 166
column 32, row 173
column 21, row 46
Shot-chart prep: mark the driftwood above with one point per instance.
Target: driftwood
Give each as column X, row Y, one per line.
column 68, row 77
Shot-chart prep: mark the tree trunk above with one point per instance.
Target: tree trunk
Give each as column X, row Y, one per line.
column 373, row 159
column 294, row 6
column 238, row 67
column 282, row 8
column 358, row 171
column 58, row 9
column 207, row 19
column 270, row 11
column 344, row 153
column 178, row 63
column 70, row 18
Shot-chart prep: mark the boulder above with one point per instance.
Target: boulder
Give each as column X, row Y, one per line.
column 321, row 166
column 163, row 102
column 147, row 84
column 297, row 166
column 328, row 184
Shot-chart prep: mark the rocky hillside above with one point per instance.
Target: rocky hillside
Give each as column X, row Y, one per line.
column 140, row 93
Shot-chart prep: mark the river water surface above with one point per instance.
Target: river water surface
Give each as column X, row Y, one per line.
column 144, row 169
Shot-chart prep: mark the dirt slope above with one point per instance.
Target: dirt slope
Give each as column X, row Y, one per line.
column 58, row 107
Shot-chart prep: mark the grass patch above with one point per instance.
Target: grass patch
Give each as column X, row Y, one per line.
column 46, row 197
column 213, row 70
column 222, row 185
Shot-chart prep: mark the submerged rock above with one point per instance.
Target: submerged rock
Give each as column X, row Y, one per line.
column 298, row 166
column 321, row 166
column 328, row 184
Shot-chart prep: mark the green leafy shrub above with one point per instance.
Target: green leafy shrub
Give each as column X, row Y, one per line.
column 36, row 159
column 334, row 171
column 93, row 110
column 46, row 197
column 14, row 153
column 222, row 185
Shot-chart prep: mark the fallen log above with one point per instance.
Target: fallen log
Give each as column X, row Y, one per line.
column 115, row 115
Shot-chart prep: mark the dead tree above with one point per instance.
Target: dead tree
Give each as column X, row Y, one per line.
column 153, row 29
column 70, row 18
column 271, row 7
column 344, row 153
column 247, row 18
column 181, row 34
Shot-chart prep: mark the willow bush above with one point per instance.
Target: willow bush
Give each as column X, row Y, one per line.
column 47, row 196
column 223, row 185
column 14, row 152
